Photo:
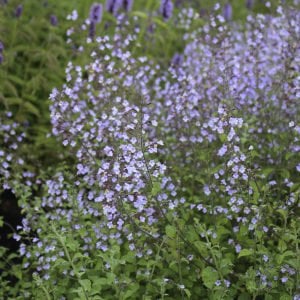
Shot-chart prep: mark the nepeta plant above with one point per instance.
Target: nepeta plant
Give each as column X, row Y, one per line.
column 119, row 183
column 184, row 180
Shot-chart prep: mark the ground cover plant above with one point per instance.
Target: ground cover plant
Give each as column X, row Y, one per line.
column 176, row 170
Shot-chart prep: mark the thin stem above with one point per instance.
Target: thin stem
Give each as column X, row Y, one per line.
column 48, row 297
column 179, row 265
column 213, row 256
column 69, row 259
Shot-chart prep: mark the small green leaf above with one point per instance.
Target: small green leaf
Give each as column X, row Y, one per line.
column 140, row 14
column 131, row 291
column 245, row 252
column 209, row 277
column 251, row 286
column 244, row 296
column 188, row 293
column 170, row 231
column 31, row 108
column 285, row 297
column 282, row 246
column 86, row 284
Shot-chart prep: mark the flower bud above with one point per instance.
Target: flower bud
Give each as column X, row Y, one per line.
column 127, row 5
column 92, row 30
column 53, row 20
column 112, row 6
column 19, row 10
column 166, row 9
column 177, row 60
column 249, row 4
column 227, row 12
column 96, row 13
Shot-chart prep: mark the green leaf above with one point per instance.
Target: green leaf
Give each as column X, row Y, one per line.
column 244, row 296
column 131, row 291
column 31, row 109
column 209, row 277
column 13, row 101
column 285, row 297
column 251, row 286
column 10, row 88
column 86, row 284
column 161, row 23
column 140, row 14
column 73, row 245
column 155, row 188
column 245, row 252
column 282, row 246
column 171, row 231
column 283, row 213
column 188, row 293
column 98, row 283
column 16, row 79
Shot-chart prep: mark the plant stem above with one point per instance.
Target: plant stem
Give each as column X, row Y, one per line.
column 69, row 259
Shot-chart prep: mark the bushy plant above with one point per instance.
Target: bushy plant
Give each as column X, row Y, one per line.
column 184, row 181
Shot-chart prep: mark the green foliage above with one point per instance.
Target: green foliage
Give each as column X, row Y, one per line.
column 193, row 259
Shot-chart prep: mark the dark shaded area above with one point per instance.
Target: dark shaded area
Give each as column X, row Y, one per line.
column 11, row 213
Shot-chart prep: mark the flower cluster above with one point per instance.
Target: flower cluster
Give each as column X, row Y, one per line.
column 217, row 118
column 11, row 138
column 119, row 181
column 229, row 66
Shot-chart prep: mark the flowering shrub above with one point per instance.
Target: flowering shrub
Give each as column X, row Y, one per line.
column 182, row 182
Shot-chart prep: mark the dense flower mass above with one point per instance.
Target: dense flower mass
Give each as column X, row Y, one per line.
column 109, row 132
column 237, row 78
column 193, row 166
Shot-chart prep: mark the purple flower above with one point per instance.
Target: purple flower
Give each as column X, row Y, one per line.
column 227, row 12
column 1, row 47
column 19, row 10
column 178, row 3
column 284, row 279
column 96, row 13
column 238, row 248
column 92, row 30
column 1, row 58
column 166, row 9
column 249, row 3
column 112, row 6
column 127, row 5
column 218, row 283
column 53, row 20
column 177, row 60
